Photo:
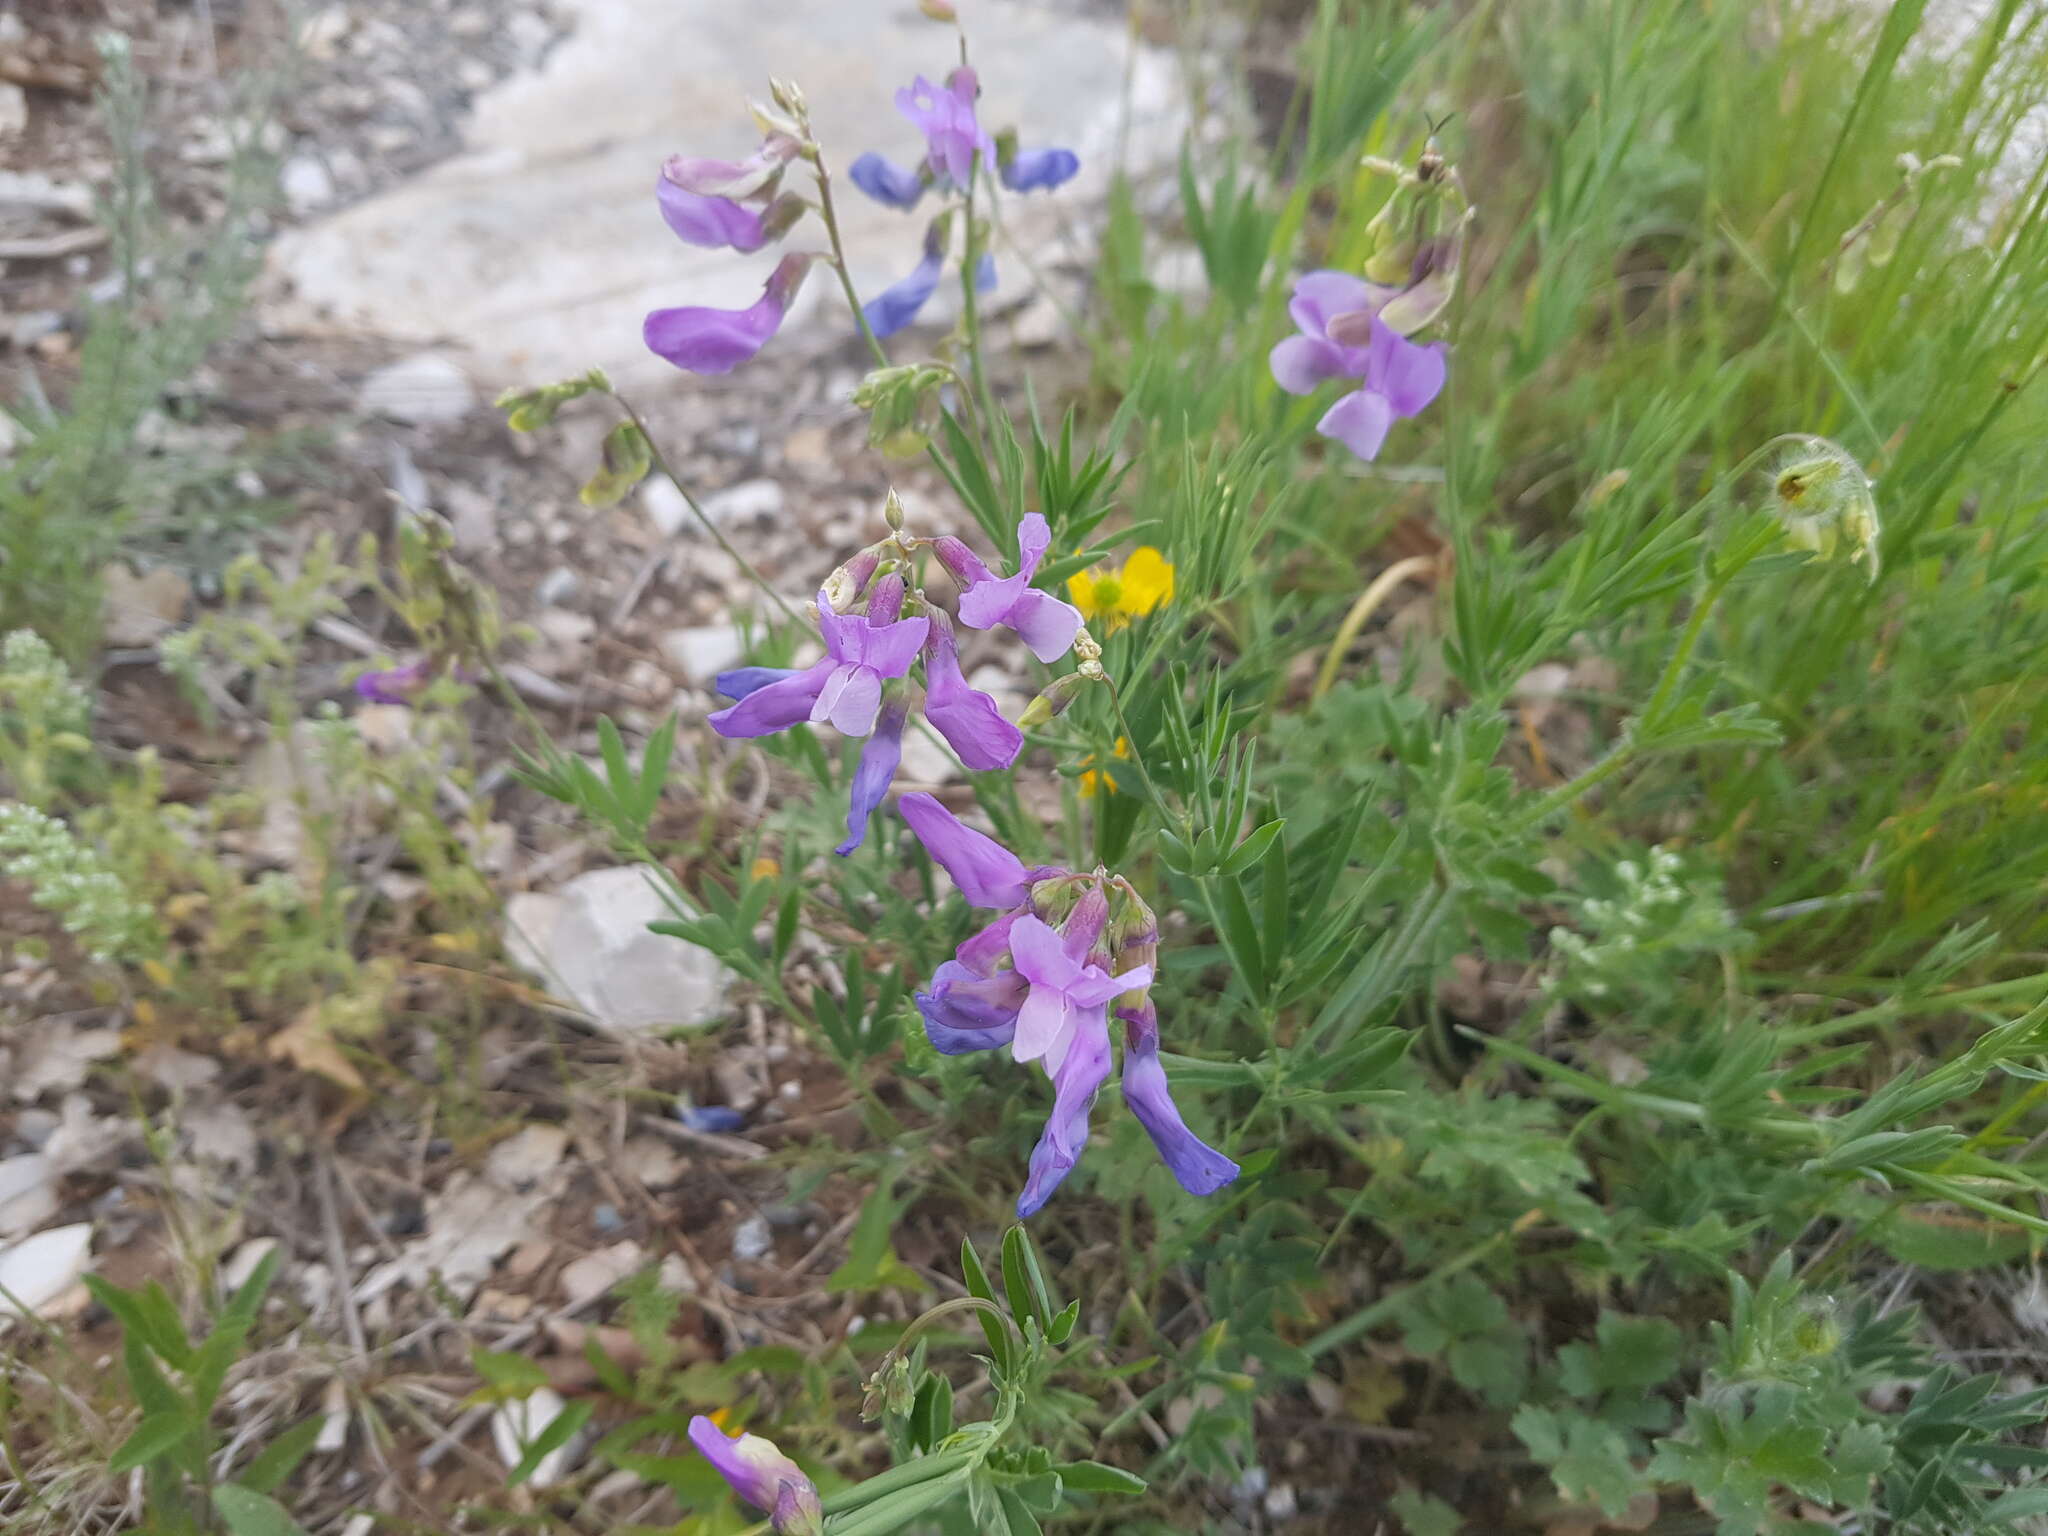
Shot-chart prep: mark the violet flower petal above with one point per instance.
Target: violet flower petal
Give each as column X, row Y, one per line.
column 1319, row 295
column 1066, row 1129
column 885, row 181
column 984, row 950
column 712, row 222
column 877, row 768
column 1409, row 374
column 774, row 706
column 763, row 1476
column 988, row 874
column 1359, row 421
column 1046, row 624
column 395, row 685
column 1040, row 170
column 1300, row 363
column 963, row 1012
column 1199, row 1167
column 969, row 719
column 985, row 273
column 741, row 681
column 849, row 700
column 897, row 305
column 701, row 340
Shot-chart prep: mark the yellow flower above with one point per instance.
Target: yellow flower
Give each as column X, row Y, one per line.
column 1114, row 595
column 1101, row 778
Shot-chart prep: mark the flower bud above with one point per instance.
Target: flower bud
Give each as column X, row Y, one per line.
column 939, row 10
column 1823, row 500
column 892, row 511
column 845, row 585
column 1052, row 702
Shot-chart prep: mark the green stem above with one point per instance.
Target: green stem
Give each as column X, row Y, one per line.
column 970, row 311
column 661, row 463
column 830, row 216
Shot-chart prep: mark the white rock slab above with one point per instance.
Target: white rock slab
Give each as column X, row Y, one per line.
column 36, row 1272
column 588, row 941
column 540, row 248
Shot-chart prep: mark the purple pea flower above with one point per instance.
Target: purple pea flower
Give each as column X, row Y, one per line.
column 712, row 222
column 1040, row 620
column 1039, row 170
column 755, row 176
column 1199, row 1167
column 763, row 1476
column 1068, row 993
column 969, row 719
column 988, row 874
column 1044, row 993
column 397, row 685
column 1397, row 377
column 886, row 182
column 878, row 760
column 845, row 688
column 897, row 305
column 701, row 340
column 953, row 135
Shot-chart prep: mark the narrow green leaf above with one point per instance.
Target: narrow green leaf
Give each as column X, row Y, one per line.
column 1095, row 1477
column 553, row 1436
column 279, row 1459
column 249, row 1513
column 155, row 1437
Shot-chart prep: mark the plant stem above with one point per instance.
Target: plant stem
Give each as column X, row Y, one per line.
column 661, row 463
column 830, row 215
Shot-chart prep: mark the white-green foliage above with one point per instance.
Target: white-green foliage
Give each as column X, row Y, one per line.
column 1664, row 913
column 72, row 880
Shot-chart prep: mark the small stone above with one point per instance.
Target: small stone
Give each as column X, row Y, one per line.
column 530, row 34
column 13, row 109
column 664, row 505
column 323, row 31
column 306, row 183
column 752, row 1239
column 140, row 610
column 675, row 1276
column 474, row 75
column 558, row 586
column 426, row 389
column 1281, row 1503
column 749, row 499
column 705, row 650
column 25, row 330
column 517, row 1424
column 606, row 1218
column 590, row 943
column 565, row 626
column 595, row 1273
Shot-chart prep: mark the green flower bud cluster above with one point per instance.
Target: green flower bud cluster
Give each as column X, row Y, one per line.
column 75, row 882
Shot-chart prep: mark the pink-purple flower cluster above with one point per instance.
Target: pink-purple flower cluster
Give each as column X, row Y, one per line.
column 1342, row 336
column 1040, row 979
column 876, row 627
column 740, row 205
column 955, row 144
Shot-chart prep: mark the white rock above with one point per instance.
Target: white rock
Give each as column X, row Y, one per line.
column 334, row 1427
column 426, row 389
column 306, row 183
column 242, row 1263
column 517, row 1424
column 36, row 1272
column 751, row 1239
column 519, row 1160
column 705, row 650
column 28, row 1193
column 140, row 610
column 664, row 505
column 13, row 109
column 589, row 942
column 567, row 148
column 748, row 499
column 323, row 31
column 926, row 761
column 595, row 1273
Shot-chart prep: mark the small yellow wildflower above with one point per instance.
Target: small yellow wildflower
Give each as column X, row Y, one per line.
column 1113, row 596
column 1101, row 778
